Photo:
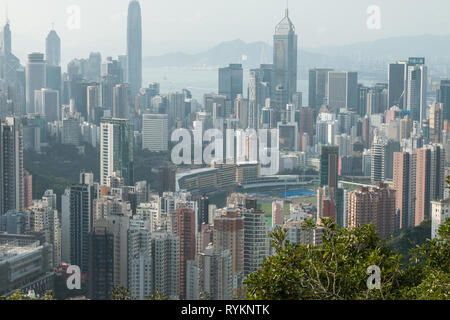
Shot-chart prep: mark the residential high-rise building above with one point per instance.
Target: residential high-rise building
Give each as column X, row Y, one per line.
column 46, row 222
column 215, row 274
column 430, row 177
column 101, row 262
column 134, row 47
column 116, row 150
column 81, row 219
column 35, row 78
column 382, row 153
column 285, row 43
column 165, row 264
column 372, row 205
column 11, row 165
column 440, row 212
column 203, row 212
column 139, row 260
column 231, row 81
column 342, row 90
column 229, row 235
column 155, row 132
column 423, row 185
column 53, row 49
column 277, row 213
column 27, row 189
column 404, row 167
column 436, row 122
column 186, row 231
column 256, row 240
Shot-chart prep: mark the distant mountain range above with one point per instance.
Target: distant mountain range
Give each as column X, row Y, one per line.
column 369, row 57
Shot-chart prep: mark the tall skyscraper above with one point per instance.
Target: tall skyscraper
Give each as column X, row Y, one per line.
column 444, row 98
column 53, row 49
column 46, row 102
column 134, row 47
column 94, row 67
column 396, row 84
column 11, row 165
column 318, row 84
column 416, row 97
column 121, row 106
column 231, row 81
column 35, row 78
column 116, row 150
column 9, row 63
column 329, row 157
column 5, row 40
column 93, row 102
column 285, row 61
column 342, row 90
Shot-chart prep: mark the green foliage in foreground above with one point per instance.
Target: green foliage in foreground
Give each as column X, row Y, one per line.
column 338, row 269
column 19, row 295
column 410, row 238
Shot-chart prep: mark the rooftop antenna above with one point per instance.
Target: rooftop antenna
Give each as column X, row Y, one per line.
column 53, row 26
column 287, row 8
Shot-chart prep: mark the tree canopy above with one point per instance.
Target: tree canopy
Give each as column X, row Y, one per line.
column 337, row 270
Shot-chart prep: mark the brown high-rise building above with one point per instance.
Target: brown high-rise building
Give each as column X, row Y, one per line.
column 185, row 230
column 27, row 189
column 436, row 122
column 423, row 173
column 229, row 235
column 430, row 177
column 374, row 205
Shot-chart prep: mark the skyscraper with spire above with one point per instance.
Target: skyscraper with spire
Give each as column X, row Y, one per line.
column 53, row 49
column 284, row 63
column 134, row 47
column 9, row 63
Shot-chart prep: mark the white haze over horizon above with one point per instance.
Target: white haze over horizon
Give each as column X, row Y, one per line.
column 196, row 25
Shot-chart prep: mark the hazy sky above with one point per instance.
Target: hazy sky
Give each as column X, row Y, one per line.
column 194, row 25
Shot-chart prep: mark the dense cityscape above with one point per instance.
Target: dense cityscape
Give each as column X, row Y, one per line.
column 149, row 194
